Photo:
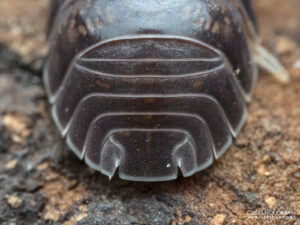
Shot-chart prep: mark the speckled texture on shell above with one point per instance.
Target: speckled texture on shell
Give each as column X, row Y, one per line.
column 147, row 87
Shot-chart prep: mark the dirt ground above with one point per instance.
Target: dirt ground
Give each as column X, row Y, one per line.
column 257, row 181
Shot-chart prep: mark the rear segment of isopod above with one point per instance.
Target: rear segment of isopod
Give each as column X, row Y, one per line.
column 147, row 87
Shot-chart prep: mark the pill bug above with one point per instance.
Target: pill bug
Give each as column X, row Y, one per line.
column 149, row 88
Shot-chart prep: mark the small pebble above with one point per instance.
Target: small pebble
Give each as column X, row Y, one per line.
column 271, row 201
column 11, row 164
column 218, row 219
column 52, row 214
column 14, row 201
column 187, row 219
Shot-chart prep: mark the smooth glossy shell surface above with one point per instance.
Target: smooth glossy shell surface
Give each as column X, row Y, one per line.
column 146, row 87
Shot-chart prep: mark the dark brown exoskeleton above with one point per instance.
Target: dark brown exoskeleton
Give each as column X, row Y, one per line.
column 150, row 86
